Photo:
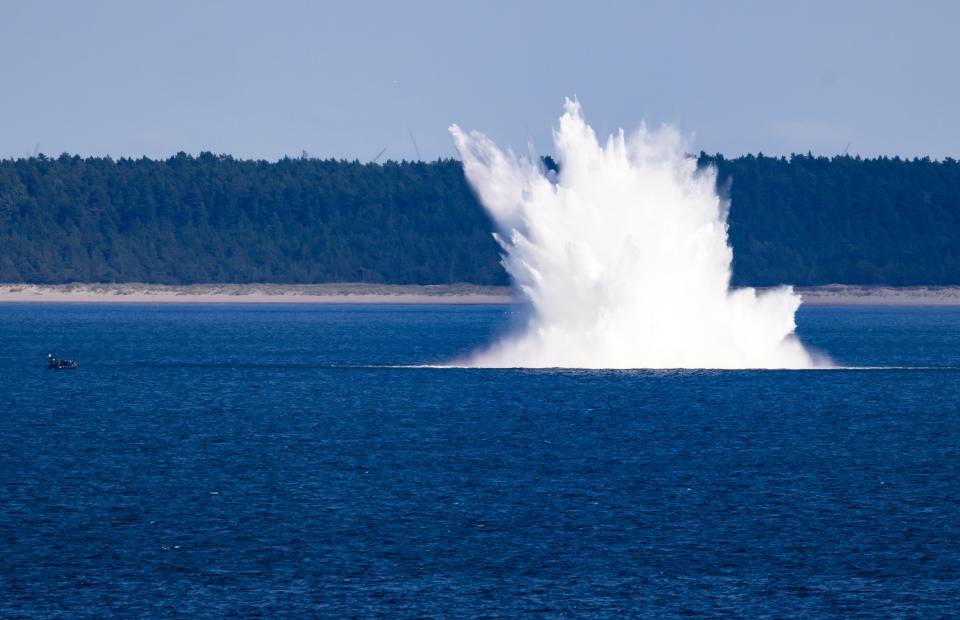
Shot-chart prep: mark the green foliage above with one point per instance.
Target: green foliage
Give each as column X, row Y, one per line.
column 216, row 219
column 816, row 220
column 803, row 220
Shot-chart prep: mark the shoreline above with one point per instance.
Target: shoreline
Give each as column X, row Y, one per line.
column 136, row 293
column 856, row 295
column 386, row 294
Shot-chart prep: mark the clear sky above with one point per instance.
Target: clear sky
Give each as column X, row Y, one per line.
column 347, row 79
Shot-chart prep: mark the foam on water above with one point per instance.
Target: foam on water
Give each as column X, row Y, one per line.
column 623, row 258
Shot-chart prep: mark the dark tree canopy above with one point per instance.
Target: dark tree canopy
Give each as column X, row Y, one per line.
column 217, row 219
column 817, row 220
column 803, row 220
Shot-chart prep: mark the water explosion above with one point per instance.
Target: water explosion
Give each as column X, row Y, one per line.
column 623, row 258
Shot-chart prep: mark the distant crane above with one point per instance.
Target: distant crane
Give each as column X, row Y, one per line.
column 415, row 147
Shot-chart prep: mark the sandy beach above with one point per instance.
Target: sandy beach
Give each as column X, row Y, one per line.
column 850, row 295
column 255, row 294
column 832, row 295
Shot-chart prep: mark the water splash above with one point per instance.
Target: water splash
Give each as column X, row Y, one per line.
column 623, row 258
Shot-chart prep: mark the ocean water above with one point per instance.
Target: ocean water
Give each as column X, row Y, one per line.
column 211, row 461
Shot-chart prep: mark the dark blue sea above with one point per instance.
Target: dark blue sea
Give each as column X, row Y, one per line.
column 287, row 461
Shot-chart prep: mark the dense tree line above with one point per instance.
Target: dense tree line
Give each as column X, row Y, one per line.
column 217, row 219
column 803, row 219
column 818, row 220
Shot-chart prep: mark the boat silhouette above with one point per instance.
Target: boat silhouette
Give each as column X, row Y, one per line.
column 55, row 363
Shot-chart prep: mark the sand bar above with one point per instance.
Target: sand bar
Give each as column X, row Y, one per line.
column 256, row 293
column 851, row 295
column 832, row 295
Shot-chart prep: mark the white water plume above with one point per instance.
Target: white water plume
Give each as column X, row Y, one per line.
column 623, row 258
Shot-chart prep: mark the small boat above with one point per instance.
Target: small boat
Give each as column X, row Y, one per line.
column 55, row 363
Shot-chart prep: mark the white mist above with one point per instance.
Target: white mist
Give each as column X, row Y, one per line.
column 623, row 258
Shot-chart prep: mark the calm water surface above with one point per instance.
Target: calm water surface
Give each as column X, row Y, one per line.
column 209, row 461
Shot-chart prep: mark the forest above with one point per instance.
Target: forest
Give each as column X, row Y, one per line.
column 210, row 218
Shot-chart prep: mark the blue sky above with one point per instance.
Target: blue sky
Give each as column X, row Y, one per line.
column 347, row 79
